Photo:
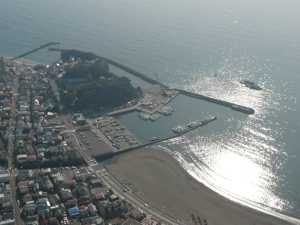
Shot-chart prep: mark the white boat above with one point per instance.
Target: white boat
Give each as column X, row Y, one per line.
column 154, row 138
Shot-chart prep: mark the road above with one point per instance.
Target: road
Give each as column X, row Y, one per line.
column 112, row 182
column 10, row 152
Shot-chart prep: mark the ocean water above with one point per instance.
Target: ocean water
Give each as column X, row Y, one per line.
column 253, row 159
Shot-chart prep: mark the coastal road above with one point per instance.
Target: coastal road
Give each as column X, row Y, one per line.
column 111, row 181
column 10, row 152
column 118, row 188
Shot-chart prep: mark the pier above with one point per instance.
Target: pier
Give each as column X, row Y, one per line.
column 36, row 49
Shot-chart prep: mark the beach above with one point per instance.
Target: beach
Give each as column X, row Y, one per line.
column 164, row 184
column 26, row 62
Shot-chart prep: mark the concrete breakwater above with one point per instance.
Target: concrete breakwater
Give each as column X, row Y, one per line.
column 194, row 95
column 220, row 102
column 105, row 156
column 133, row 72
column 36, row 49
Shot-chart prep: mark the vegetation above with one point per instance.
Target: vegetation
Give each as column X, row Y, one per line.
column 113, row 92
column 65, row 55
column 100, row 87
column 89, row 71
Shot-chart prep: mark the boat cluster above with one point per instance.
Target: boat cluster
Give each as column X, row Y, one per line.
column 179, row 128
column 154, row 138
column 166, row 110
column 193, row 124
column 208, row 119
column 146, row 116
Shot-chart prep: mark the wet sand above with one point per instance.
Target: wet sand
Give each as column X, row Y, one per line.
column 164, row 184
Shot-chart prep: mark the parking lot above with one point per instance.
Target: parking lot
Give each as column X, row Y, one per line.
column 90, row 142
column 113, row 136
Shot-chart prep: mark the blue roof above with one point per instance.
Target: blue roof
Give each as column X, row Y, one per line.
column 86, row 220
column 73, row 211
column 41, row 211
column 48, row 133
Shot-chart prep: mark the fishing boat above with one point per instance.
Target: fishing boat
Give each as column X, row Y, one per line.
column 154, row 138
column 179, row 128
column 193, row 124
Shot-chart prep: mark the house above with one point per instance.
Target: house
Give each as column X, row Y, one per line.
column 22, row 158
column 54, row 199
column 59, row 182
column 99, row 197
column 79, row 119
column 71, row 183
column 4, row 199
column 72, row 203
column 73, row 211
column 31, row 158
column 82, row 189
column 32, row 218
column 44, row 221
column 113, row 197
column 83, row 211
column 153, row 222
column 83, row 200
column 96, row 182
column 82, row 174
column 58, row 214
column 130, row 221
column 6, row 189
column 136, row 214
column 65, row 193
column 92, row 209
column 53, row 221
column 29, row 209
column 97, row 220
column 49, row 185
column 4, row 177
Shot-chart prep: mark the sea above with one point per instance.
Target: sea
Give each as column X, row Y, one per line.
column 205, row 47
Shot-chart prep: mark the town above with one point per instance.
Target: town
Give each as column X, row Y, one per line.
column 48, row 171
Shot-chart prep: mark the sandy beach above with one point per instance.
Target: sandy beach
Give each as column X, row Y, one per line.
column 164, row 184
column 26, row 62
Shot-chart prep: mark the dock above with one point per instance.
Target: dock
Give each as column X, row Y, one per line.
column 36, row 49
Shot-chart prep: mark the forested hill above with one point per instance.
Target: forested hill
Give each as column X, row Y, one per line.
column 98, row 87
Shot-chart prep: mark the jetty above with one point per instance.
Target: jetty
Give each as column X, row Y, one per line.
column 36, row 49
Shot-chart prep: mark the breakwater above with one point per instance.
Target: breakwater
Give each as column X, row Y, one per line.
column 135, row 73
column 105, row 156
column 36, row 49
column 233, row 106
column 240, row 108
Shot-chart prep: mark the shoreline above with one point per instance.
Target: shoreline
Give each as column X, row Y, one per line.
column 251, row 205
column 25, row 61
column 164, row 184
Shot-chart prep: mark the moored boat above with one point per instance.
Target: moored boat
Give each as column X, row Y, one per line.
column 154, row 138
